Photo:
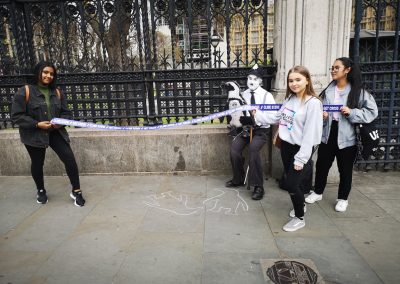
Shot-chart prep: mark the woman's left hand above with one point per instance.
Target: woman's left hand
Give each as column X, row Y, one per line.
column 298, row 168
column 345, row 110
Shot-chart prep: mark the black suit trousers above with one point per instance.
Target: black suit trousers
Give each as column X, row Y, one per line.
column 255, row 176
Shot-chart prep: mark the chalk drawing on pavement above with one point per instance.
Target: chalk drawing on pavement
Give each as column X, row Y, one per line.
column 226, row 201
column 171, row 202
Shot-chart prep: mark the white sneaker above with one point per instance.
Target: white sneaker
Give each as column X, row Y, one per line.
column 313, row 197
column 294, row 224
column 292, row 214
column 341, row 205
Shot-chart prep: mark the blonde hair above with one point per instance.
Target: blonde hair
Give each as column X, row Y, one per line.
column 309, row 88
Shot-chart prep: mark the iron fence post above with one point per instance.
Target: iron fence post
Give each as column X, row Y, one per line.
column 151, row 117
column 357, row 28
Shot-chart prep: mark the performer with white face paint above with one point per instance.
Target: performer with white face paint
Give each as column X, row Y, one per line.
column 255, row 94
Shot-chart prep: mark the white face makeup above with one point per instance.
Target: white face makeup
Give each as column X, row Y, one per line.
column 253, row 82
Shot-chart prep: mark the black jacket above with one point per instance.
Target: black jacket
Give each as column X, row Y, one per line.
column 27, row 115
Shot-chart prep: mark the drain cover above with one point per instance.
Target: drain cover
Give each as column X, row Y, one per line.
column 290, row 271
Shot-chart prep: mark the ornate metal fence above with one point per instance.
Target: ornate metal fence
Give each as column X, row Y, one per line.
column 156, row 61
column 376, row 46
column 134, row 61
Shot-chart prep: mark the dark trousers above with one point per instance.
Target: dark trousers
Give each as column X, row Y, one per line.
column 345, row 159
column 294, row 179
column 63, row 151
column 255, row 176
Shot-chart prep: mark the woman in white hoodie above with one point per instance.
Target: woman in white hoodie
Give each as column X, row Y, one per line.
column 300, row 129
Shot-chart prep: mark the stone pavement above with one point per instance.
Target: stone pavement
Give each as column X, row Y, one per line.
column 190, row 229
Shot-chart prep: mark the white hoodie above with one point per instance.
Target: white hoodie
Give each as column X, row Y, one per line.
column 300, row 123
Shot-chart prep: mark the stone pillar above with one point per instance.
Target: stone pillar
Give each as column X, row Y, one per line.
column 312, row 33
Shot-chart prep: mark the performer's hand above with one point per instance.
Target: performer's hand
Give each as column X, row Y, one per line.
column 246, row 120
column 325, row 115
column 56, row 126
column 298, row 168
column 345, row 110
column 44, row 125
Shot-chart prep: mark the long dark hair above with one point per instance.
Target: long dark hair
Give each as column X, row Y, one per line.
column 354, row 78
column 37, row 73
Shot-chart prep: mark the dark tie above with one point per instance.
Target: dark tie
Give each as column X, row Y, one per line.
column 252, row 100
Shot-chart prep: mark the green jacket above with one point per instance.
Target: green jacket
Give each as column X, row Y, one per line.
column 28, row 114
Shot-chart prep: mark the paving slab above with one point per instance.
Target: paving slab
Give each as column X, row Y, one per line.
column 20, row 266
column 90, row 247
column 378, row 185
column 359, row 205
column 277, row 205
column 234, row 268
column 334, row 257
column 377, row 240
column 155, row 257
column 391, row 206
column 173, row 219
column 244, row 233
column 191, row 229
column 16, row 191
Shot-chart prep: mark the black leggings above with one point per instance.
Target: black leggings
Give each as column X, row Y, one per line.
column 63, row 151
column 294, row 178
column 345, row 159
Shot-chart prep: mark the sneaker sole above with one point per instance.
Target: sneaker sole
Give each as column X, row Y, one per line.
column 340, row 210
column 74, row 198
column 293, row 230
column 38, row 202
column 319, row 199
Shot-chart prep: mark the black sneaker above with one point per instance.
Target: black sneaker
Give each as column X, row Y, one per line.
column 41, row 196
column 76, row 195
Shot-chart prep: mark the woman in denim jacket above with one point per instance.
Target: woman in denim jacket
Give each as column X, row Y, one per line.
column 33, row 112
column 338, row 136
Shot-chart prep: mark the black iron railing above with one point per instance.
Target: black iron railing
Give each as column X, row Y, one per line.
column 133, row 61
column 375, row 45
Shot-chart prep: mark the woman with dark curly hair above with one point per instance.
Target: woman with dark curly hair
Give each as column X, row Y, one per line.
column 33, row 107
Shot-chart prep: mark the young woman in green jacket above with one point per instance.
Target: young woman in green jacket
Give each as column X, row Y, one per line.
column 33, row 108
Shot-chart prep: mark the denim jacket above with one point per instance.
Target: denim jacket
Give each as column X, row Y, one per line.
column 28, row 114
column 366, row 112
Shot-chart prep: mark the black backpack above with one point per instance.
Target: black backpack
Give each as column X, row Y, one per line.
column 367, row 138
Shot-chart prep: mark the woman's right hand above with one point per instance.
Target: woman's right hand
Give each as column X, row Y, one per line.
column 44, row 125
column 324, row 115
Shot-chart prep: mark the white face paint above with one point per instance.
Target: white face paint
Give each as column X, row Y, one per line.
column 253, row 82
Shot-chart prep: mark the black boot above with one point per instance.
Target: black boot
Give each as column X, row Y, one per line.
column 258, row 193
column 230, row 183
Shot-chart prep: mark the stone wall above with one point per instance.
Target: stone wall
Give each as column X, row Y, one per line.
column 186, row 150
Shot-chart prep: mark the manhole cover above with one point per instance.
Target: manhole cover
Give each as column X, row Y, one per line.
column 290, row 271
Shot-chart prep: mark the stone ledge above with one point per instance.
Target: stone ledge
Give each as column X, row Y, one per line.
column 199, row 150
